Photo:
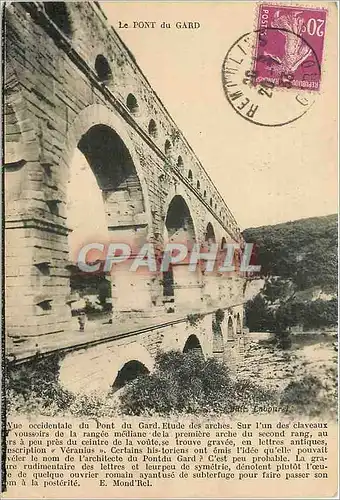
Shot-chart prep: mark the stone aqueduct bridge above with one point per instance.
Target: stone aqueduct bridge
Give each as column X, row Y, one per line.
column 72, row 85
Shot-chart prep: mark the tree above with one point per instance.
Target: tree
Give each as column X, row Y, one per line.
column 258, row 315
column 277, row 288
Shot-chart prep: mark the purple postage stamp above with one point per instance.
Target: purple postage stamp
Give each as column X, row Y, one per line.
column 289, row 46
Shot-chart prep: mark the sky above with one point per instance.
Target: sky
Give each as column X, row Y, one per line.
column 266, row 175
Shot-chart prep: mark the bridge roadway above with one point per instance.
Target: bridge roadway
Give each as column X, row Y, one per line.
column 23, row 349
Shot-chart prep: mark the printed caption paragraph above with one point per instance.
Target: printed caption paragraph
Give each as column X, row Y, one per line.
column 141, row 452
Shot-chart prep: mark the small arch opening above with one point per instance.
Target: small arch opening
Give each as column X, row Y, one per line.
column 58, row 13
column 193, row 344
column 218, row 343
column 205, row 194
column 103, row 69
column 167, row 147
column 168, row 283
column 180, row 163
column 223, row 253
column 210, row 237
column 132, row 104
column 131, row 370
column 179, row 227
column 238, row 325
column 211, row 202
column 45, row 305
column 237, row 259
column 230, row 328
column 152, row 128
column 190, row 176
column 198, row 185
column 178, row 222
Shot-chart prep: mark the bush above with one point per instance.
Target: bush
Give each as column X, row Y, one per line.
column 321, row 313
column 219, row 315
column 92, row 308
column 93, row 405
column 259, row 317
column 283, row 340
column 33, row 387
column 186, row 383
column 194, row 319
column 312, row 315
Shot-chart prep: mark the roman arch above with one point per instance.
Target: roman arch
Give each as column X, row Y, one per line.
column 100, row 137
column 180, row 228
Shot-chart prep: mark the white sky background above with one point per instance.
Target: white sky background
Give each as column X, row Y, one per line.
column 266, row 175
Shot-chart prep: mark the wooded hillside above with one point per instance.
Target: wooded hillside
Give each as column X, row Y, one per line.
column 304, row 251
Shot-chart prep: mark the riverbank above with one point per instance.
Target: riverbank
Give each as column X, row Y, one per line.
column 311, row 360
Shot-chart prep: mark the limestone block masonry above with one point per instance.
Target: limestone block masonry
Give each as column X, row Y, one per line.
column 72, row 85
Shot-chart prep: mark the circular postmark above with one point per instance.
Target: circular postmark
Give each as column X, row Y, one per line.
column 260, row 88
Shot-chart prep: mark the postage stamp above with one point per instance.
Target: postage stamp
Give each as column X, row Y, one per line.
column 289, row 46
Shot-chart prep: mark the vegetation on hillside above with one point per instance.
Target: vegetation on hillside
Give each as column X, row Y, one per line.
column 295, row 257
column 262, row 316
column 303, row 251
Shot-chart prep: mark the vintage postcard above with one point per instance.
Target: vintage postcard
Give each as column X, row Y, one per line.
column 170, row 310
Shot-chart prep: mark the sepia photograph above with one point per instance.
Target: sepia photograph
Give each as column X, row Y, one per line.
column 170, row 249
